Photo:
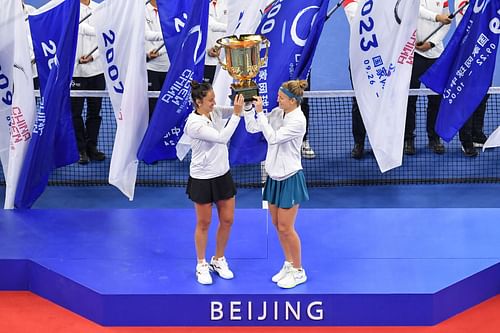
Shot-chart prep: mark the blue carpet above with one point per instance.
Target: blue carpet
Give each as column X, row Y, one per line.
column 390, row 196
column 365, row 266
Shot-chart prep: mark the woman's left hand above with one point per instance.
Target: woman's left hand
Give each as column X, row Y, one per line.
column 239, row 100
column 258, row 104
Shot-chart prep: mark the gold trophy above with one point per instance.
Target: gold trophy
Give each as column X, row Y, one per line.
column 243, row 62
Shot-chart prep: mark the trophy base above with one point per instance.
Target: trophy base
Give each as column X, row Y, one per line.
column 247, row 92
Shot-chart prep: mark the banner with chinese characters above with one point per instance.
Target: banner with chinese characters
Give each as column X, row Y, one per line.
column 464, row 71
column 54, row 29
column 174, row 104
column 383, row 37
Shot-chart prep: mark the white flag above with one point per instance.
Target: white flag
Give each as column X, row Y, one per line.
column 23, row 106
column 493, row 140
column 7, row 16
column 381, row 53
column 243, row 18
column 120, row 30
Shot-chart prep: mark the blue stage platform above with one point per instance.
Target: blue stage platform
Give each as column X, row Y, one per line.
column 365, row 266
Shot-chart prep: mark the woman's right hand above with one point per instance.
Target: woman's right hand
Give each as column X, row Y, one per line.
column 239, row 100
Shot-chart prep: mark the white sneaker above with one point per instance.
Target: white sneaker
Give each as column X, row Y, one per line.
column 307, row 151
column 283, row 271
column 221, row 267
column 203, row 273
column 293, row 278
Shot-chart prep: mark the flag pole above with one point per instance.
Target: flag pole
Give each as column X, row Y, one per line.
column 159, row 47
column 451, row 17
column 85, row 18
column 334, row 9
column 90, row 53
column 267, row 7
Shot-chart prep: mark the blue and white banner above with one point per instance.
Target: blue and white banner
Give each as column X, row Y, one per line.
column 293, row 29
column 463, row 73
column 7, row 18
column 23, row 106
column 174, row 105
column 54, row 29
column 174, row 15
column 120, row 38
column 382, row 44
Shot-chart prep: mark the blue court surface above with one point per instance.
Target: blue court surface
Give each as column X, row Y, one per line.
column 365, row 266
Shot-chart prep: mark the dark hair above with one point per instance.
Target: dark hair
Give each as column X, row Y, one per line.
column 199, row 90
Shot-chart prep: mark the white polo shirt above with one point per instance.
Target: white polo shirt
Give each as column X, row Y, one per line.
column 209, row 138
column 284, row 134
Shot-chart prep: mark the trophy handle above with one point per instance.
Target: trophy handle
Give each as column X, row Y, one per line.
column 223, row 65
column 263, row 60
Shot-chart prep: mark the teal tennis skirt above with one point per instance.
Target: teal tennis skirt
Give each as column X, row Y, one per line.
column 286, row 193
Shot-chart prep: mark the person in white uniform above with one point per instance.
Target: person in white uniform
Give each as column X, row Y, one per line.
column 431, row 15
column 157, row 59
column 210, row 180
column 87, row 75
column 217, row 27
column 284, row 129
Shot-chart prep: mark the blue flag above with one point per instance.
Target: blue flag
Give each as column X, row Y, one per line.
column 293, row 29
column 174, row 15
column 464, row 72
column 53, row 142
column 174, row 105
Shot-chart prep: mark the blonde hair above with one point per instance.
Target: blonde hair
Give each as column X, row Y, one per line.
column 296, row 87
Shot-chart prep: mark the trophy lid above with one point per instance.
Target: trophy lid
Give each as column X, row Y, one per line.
column 243, row 41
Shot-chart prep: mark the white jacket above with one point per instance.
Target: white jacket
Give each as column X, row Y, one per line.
column 217, row 27
column 209, row 138
column 87, row 41
column 154, row 39
column 426, row 24
column 284, row 134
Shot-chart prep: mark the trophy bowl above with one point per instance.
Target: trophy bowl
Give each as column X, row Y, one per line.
column 243, row 62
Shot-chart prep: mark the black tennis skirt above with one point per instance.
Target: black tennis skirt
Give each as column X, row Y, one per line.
column 204, row 191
